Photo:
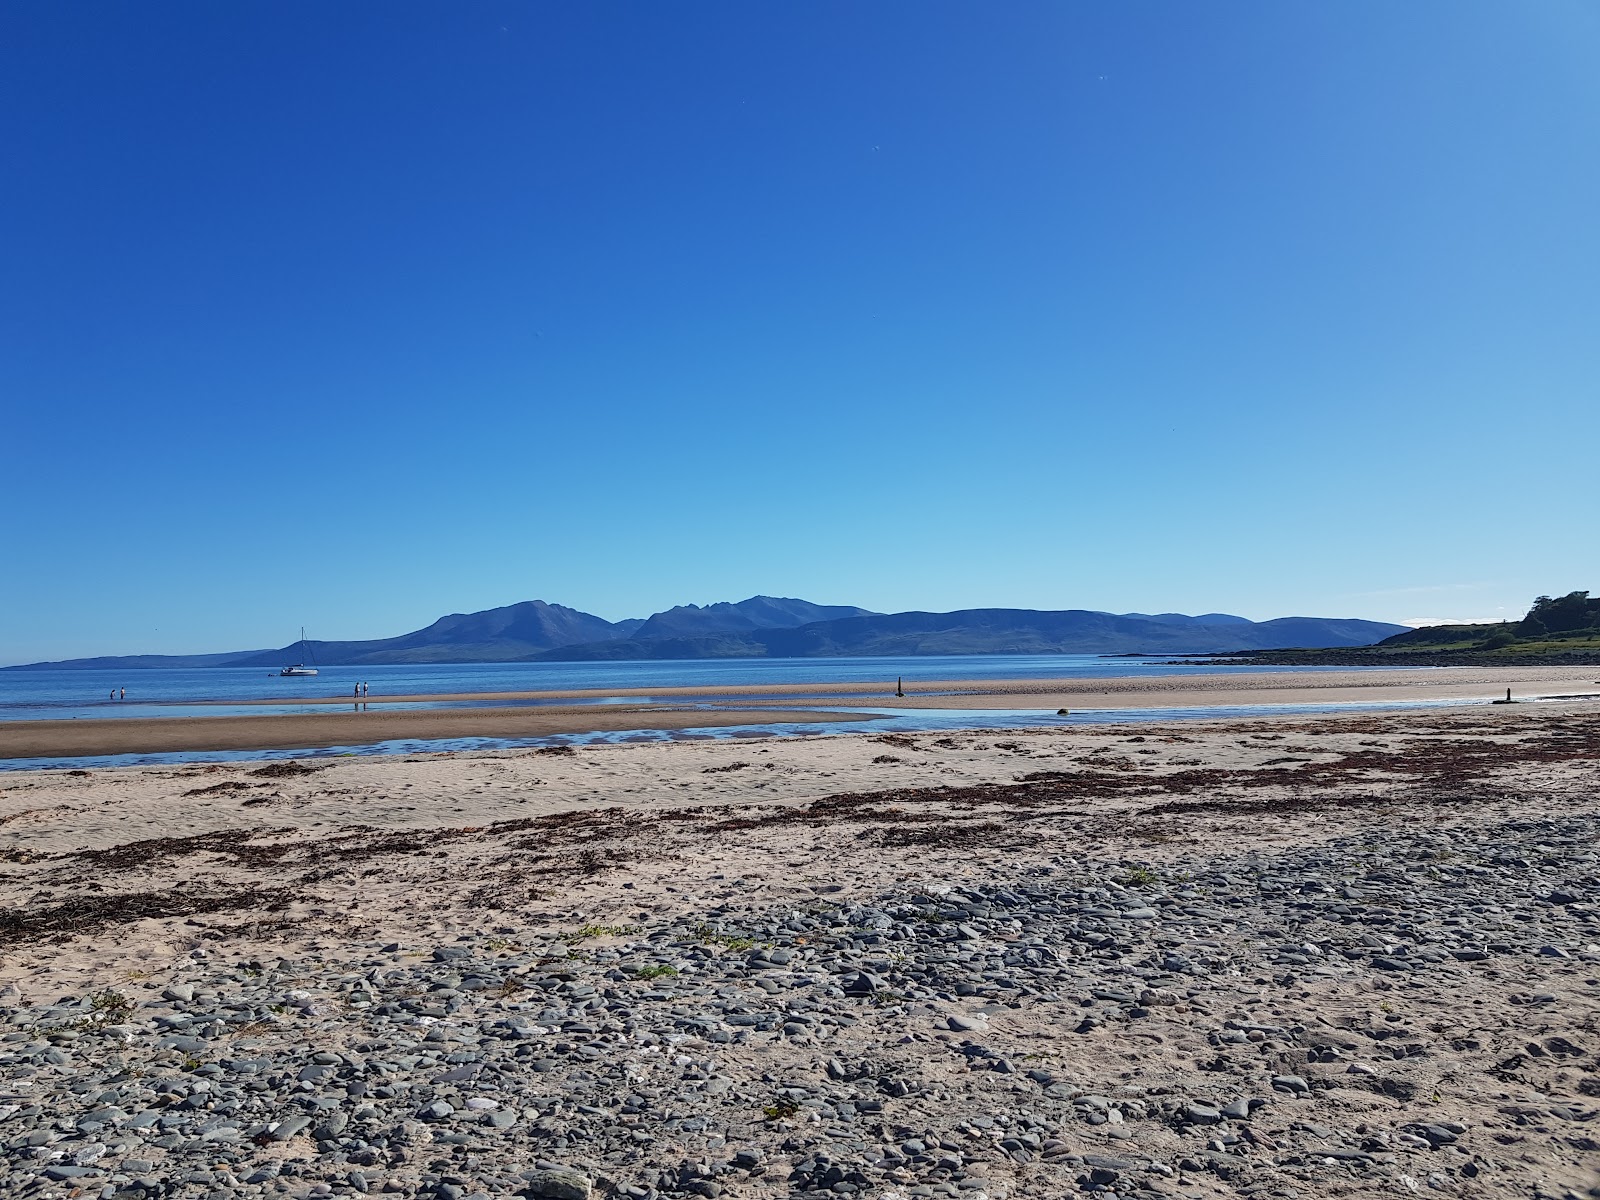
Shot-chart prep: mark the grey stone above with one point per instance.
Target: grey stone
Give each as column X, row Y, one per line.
column 64, row 1171
column 558, row 1183
column 289, row 1126
column 862, row 984
column 1437, row 1135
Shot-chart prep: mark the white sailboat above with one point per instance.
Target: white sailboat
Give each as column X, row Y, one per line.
column 300, row 667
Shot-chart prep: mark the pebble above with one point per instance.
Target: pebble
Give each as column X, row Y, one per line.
column 792, row 1066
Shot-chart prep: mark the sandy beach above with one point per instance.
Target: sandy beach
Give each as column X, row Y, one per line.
column 672, row 708
column 1347, row 956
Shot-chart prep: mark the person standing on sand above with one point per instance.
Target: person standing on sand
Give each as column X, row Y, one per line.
column 365, row 688
column 356, row 691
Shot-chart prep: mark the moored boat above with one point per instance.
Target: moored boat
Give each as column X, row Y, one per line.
column 300, row 667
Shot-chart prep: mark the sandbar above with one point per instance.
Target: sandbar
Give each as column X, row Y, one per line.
column 1153, row 691
column 686, row 707
column 157, row 735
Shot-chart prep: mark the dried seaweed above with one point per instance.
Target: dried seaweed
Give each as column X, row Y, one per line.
column 87, row 913
column 284, row 770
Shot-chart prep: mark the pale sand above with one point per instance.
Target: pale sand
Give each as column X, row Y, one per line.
column 57, row 811
column 341, row 727
column 419, row 849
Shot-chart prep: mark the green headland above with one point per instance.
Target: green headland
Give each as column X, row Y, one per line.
column 1557, row 631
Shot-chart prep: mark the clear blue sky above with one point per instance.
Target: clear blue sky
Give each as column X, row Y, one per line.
column 350, row 315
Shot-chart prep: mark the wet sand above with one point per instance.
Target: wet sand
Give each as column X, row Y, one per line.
column 1298, row 687
column 847, row 701
column 1150, row 691
column 156, row 735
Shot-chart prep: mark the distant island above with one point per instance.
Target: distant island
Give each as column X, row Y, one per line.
column 778, row 627
column 1558, row 631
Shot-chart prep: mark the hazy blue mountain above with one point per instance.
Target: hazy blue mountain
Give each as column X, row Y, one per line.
column 517, row 631
column 712, row 645
column 758, row 612
column 1185, row 619
column 138, row 662
column 767, row 626
column 993, row 631
column 1284, row 632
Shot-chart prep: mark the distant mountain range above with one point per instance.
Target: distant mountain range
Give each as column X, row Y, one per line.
column 774, row 627
column 758, row 612
column 516, row 633
column 992, row 631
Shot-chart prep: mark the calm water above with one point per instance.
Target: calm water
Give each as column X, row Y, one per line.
column 80, row 695
column 32, row 695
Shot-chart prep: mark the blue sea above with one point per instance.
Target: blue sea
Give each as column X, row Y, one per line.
column 85, row 695
column 30, row 695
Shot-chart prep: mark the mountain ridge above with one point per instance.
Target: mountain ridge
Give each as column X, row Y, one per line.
column 514, row 632
column 779, row 627
column 989, row 631
column 758, row 612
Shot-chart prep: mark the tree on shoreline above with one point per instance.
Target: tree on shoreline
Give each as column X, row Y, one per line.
column 1572, row 613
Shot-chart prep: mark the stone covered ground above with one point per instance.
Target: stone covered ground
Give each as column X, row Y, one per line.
column 1351, row 973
